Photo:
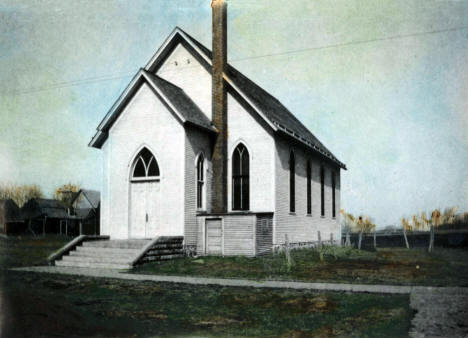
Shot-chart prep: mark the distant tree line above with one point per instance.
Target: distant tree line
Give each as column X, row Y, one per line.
column 446, row 220
column 20, row 194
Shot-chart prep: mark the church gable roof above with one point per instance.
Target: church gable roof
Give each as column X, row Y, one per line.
column 174, row 97
column 272, row 109
column 190, row 112
column 277, row 116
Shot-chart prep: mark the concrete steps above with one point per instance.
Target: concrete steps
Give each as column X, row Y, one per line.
column 120, row 244
column 107, row 251
column 79, row 264
column 120, row 254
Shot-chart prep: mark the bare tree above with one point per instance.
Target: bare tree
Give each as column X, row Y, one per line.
column 436, row 219
column 66, row 193
column 20, row 194
column 406, row 227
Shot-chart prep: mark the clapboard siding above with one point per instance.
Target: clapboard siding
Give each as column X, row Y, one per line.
column 245, row 128
column 298, row 226
column 145, row 121
column 196, row 141
column 200, row 236
column 239, row 235
column 263, row 234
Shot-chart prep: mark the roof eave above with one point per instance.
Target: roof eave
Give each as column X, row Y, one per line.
column 316, row 149
column 205, row 128
column 98, row 139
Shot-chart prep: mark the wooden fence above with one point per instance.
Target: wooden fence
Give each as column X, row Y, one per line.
column 416, row 239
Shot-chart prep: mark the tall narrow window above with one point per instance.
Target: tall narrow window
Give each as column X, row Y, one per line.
column 292, row 182
column 333, row 196
column 309, row 188
column 145, row 166
column 240, row 178
column 200, row 181
column 322, row 191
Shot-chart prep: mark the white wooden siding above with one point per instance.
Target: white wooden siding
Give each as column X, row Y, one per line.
column 196, row 141
column 183, row 70
column 260, row 144
column 299, row 226
column 144, row 122
column 239, row 238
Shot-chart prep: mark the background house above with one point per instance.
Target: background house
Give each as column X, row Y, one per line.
column 11, row 221
column 44, row 216
column 85, row 211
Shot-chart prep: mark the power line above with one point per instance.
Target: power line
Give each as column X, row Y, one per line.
column 359, row 42
column 103, row 78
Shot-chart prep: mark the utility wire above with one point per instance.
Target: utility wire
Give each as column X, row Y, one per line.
column 359, row 42
column 103, row 78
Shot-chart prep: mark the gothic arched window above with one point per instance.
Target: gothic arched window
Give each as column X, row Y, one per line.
column 309, row 188
column 200, row 181
column 292, row 182
column 240, row 178
column 145, row 166
column 322, row 191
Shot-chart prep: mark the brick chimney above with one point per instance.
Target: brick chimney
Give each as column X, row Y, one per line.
column 219, row 106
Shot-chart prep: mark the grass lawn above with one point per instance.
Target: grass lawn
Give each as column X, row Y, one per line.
column 443, row 267
column 44, row 305
column 28, row 250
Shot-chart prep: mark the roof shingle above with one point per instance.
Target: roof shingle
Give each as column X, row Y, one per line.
column 273, row 110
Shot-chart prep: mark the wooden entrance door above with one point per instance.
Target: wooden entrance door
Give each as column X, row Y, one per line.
column 144, row 219
column 214, row 237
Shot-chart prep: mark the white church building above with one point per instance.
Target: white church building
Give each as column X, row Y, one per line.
column 194, row 148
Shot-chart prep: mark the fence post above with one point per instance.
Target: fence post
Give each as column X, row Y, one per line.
column 287, row 253
column 319, row 238
column 331, row 238
column 348, row 239
column 360, row 240
column 431, row 239
column 375, row 241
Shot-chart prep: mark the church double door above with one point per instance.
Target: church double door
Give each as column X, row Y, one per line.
column 144, row 213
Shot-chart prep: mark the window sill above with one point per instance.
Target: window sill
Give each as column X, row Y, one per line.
column 309, row 215
column 322, row 216
column 292, row 213
column 145, row 179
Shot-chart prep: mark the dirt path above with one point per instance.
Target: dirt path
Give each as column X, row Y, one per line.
column 441, row 312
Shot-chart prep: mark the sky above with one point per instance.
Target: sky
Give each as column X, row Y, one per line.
column 383, row 84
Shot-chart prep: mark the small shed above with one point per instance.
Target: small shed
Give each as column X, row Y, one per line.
column 86, row 211
column 10, row 218
column 48, row 215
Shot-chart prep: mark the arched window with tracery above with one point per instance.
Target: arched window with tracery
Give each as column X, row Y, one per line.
column 240, row 178
column 200, row 181
column 145, row 166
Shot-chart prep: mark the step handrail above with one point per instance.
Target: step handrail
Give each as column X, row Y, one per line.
column 72, row 245
column 145, row 249
column 148, row 247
